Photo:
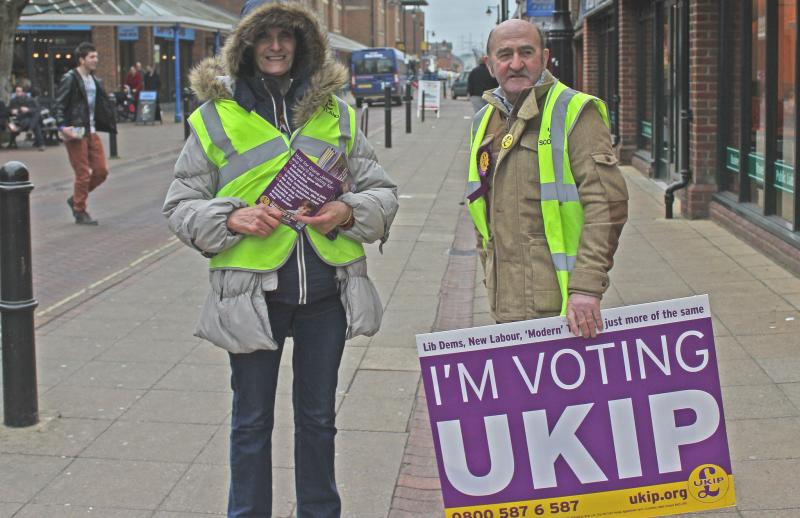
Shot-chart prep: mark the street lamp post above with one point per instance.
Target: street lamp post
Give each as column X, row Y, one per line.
column 501, row 9
column 560, row 42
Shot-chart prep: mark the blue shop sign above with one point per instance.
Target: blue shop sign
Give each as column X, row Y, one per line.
column 128, row 33
column 542, row 9
column 169, row 33
column 30, row 27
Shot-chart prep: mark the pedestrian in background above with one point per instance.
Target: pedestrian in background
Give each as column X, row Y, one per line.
column 548, row 223
column 133, row 80
column 27, row 113
column 82, row 108
column 479, row 81
column 152, row 83
column 269, row 281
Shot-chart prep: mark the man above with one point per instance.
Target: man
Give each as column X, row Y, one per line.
column 478, row 81
column 546, row 196
column 152, row 83
column 82, row 109
column 25, row 110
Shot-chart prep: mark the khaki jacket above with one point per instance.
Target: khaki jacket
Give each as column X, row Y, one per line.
column 520, row 276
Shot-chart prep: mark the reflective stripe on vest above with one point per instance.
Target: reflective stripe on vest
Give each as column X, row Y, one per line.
column 477, row 208
column 249, row 152
column 562, row 212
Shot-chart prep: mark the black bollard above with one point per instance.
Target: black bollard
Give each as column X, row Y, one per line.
column 186, row 94
column 422, row 107
column 408, row 107
column 20, row 398
column 387, row 101
column 112, row 138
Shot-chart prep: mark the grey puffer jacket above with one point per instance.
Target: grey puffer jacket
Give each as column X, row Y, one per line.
column 235, row 315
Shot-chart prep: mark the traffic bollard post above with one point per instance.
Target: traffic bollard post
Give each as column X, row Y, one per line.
column 422, row 107
column 112, row 139
column 408, row 107
column 20, row 395
column 387, row 101
column 186, row 93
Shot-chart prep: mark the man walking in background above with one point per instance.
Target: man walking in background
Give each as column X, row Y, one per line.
column 81, row 109
column 478, row 81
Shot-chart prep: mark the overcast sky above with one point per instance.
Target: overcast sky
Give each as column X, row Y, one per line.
column 460, row 21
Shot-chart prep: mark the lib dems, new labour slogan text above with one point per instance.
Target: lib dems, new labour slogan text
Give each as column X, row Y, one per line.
column 528, row 420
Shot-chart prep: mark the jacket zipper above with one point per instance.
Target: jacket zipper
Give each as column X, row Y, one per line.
column 301, row 268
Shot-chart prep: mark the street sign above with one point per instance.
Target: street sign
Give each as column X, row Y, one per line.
column 433, row 96
column 529, row 420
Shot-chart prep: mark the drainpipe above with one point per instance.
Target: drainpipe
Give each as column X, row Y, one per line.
column 686, row 113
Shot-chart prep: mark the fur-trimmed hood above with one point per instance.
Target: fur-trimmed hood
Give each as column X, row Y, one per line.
column 213, row 78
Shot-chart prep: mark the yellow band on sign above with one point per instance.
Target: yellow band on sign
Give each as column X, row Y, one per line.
column 647, row 501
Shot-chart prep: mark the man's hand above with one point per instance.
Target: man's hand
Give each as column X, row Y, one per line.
column 330, row 216
column 260, row 220
column 583, row 315
column 68, row 133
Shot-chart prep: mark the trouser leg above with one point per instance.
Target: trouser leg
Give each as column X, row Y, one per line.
column 254, row 380
column 97, row 162
column 319, row 336
column 78, row 153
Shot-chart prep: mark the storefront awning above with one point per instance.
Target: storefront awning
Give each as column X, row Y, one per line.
column 339, row 42
column 190, row 14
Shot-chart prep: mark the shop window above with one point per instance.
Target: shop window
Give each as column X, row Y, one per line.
column 758, row 106
column 645, row 65
column 786, row 110
column 730, row 100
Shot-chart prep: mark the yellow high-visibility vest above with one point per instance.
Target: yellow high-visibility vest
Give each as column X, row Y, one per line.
column 249, row 152
column 562, row 211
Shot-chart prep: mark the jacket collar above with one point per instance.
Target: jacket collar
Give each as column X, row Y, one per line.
column 527, row 106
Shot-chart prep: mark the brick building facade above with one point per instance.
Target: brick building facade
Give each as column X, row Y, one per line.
column 704, row 89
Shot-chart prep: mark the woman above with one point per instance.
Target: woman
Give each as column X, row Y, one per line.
column 274, row 95
column 134, row 81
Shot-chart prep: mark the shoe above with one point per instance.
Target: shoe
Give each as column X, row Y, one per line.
column 71, row 207
column 83, row 218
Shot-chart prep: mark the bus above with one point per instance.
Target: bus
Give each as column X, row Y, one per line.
column 372, row 69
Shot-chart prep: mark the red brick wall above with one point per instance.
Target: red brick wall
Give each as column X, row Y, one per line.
column 703, row 52
column 358, row 22
column 591, row 58
column 105, row 41
column 629, row 77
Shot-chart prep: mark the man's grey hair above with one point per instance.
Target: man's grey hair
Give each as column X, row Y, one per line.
column 542, row 37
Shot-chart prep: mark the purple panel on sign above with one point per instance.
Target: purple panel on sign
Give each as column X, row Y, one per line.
column 575, row 376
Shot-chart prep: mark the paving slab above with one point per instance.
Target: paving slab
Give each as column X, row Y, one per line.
column 202, row 489
column 367, row 464
column 77, row 511
column 23, row 476
column 112, row 483
column 180, row 406
column 164, row 442
column 65, row 437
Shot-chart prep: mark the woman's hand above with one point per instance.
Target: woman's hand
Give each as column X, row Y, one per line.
column 330, row 216
column 260, row 220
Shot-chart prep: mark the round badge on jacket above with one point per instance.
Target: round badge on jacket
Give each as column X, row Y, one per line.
column 507, row 141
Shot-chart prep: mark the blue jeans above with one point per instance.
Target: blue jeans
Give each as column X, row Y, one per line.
column 318, row 329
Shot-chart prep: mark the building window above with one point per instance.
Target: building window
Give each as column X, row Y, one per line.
column 786, row 109
column 730, row 100
column 758, row 81
column 644, row 93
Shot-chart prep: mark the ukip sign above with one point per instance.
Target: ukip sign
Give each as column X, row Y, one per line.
column 530, row 421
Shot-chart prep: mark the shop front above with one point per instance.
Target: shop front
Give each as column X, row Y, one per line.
column 42, row 54
column 758, row 115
